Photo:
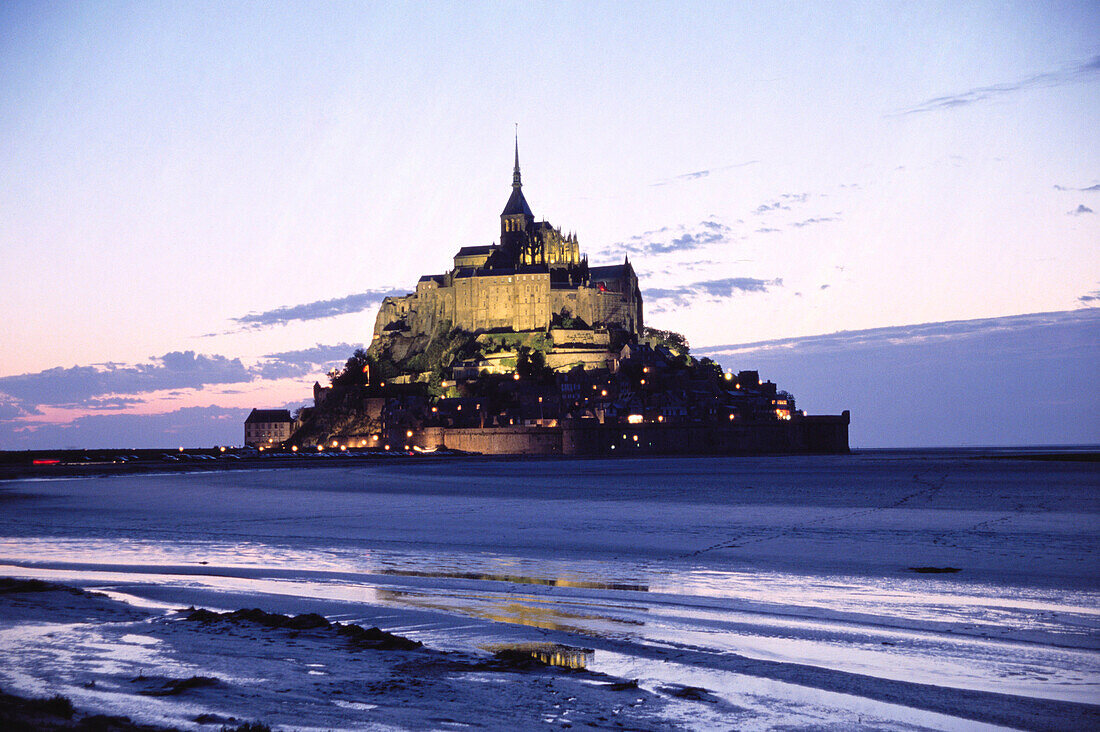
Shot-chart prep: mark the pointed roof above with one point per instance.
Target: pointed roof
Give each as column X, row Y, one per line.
column 516, row 183
column 517, row 204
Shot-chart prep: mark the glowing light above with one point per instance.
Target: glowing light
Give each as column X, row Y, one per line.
column 181, row 449
column 603, row 392
column 386, row 447
column 736, row 386
column 515, row 376
column 343, row 448
column 335, row 443
column 643, row 382
column 729, row 376
column 731, row 417
column 294, row 448
column 660, row 418
column 320, row 448
column 409, row 433
column 635, row 419
column 222, row 448
column 635, row 438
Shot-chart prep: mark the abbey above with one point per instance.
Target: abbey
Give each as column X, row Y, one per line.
column 535, row 278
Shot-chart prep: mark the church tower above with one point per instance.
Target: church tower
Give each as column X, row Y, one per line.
column 517, row 223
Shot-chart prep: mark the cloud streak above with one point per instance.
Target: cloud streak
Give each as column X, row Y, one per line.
column 684, row 295
column 814, row 220
column 1082, row 71
column 1087, row 189
column 668, row 240
column 292, row 364
column 1080, row 211
column 115, row 387
column 317, row 310
column 783, row 203
column 696, row 175
column 188, row 426
column 917, row 334
column 84, row 386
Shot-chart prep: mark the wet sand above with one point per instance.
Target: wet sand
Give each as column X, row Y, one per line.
column 783, row 591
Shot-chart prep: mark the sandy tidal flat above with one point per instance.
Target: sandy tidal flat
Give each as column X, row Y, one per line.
column 752, row 593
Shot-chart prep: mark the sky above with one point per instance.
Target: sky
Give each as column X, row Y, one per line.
column 203, row 204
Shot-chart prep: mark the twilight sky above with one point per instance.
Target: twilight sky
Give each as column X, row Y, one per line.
column 204, row 203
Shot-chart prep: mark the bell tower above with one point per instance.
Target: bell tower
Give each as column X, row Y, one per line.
column 517, row 223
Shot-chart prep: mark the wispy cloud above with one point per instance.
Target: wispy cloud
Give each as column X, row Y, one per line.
column 316, row 310
column 783, row 203
column 1086, row 189
column 186, row 426
column 696, row 175
column 667, row 240
column 916, row 334
column 290, row 364
column 813, row 220
column 111, row 403
column 1081, row 71
column 1090, row 299
column 1080, row 211
column 684, row 295
column 10, row 410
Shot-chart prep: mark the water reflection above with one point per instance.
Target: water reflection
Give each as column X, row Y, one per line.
column 521, row 580
column 552, row 654
column 530, row 611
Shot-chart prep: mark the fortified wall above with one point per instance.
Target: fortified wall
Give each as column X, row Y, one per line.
column 825, row 434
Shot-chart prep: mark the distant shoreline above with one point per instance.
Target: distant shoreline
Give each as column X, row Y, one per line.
column 19, row 465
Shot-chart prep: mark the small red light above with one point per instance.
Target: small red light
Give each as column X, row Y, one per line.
column 46, row 462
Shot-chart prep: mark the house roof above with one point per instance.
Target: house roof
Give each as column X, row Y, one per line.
column 517, row 204
column 268, row 415
column 475, row 251
column 609, row 272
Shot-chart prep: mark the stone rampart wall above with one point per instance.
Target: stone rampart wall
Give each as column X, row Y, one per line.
column 821, row 434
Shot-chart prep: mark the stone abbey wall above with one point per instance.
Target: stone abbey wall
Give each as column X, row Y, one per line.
column 521, row 301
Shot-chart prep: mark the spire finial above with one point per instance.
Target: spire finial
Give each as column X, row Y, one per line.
column 515, row 172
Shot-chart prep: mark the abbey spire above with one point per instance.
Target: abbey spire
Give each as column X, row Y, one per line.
column 515, row 171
